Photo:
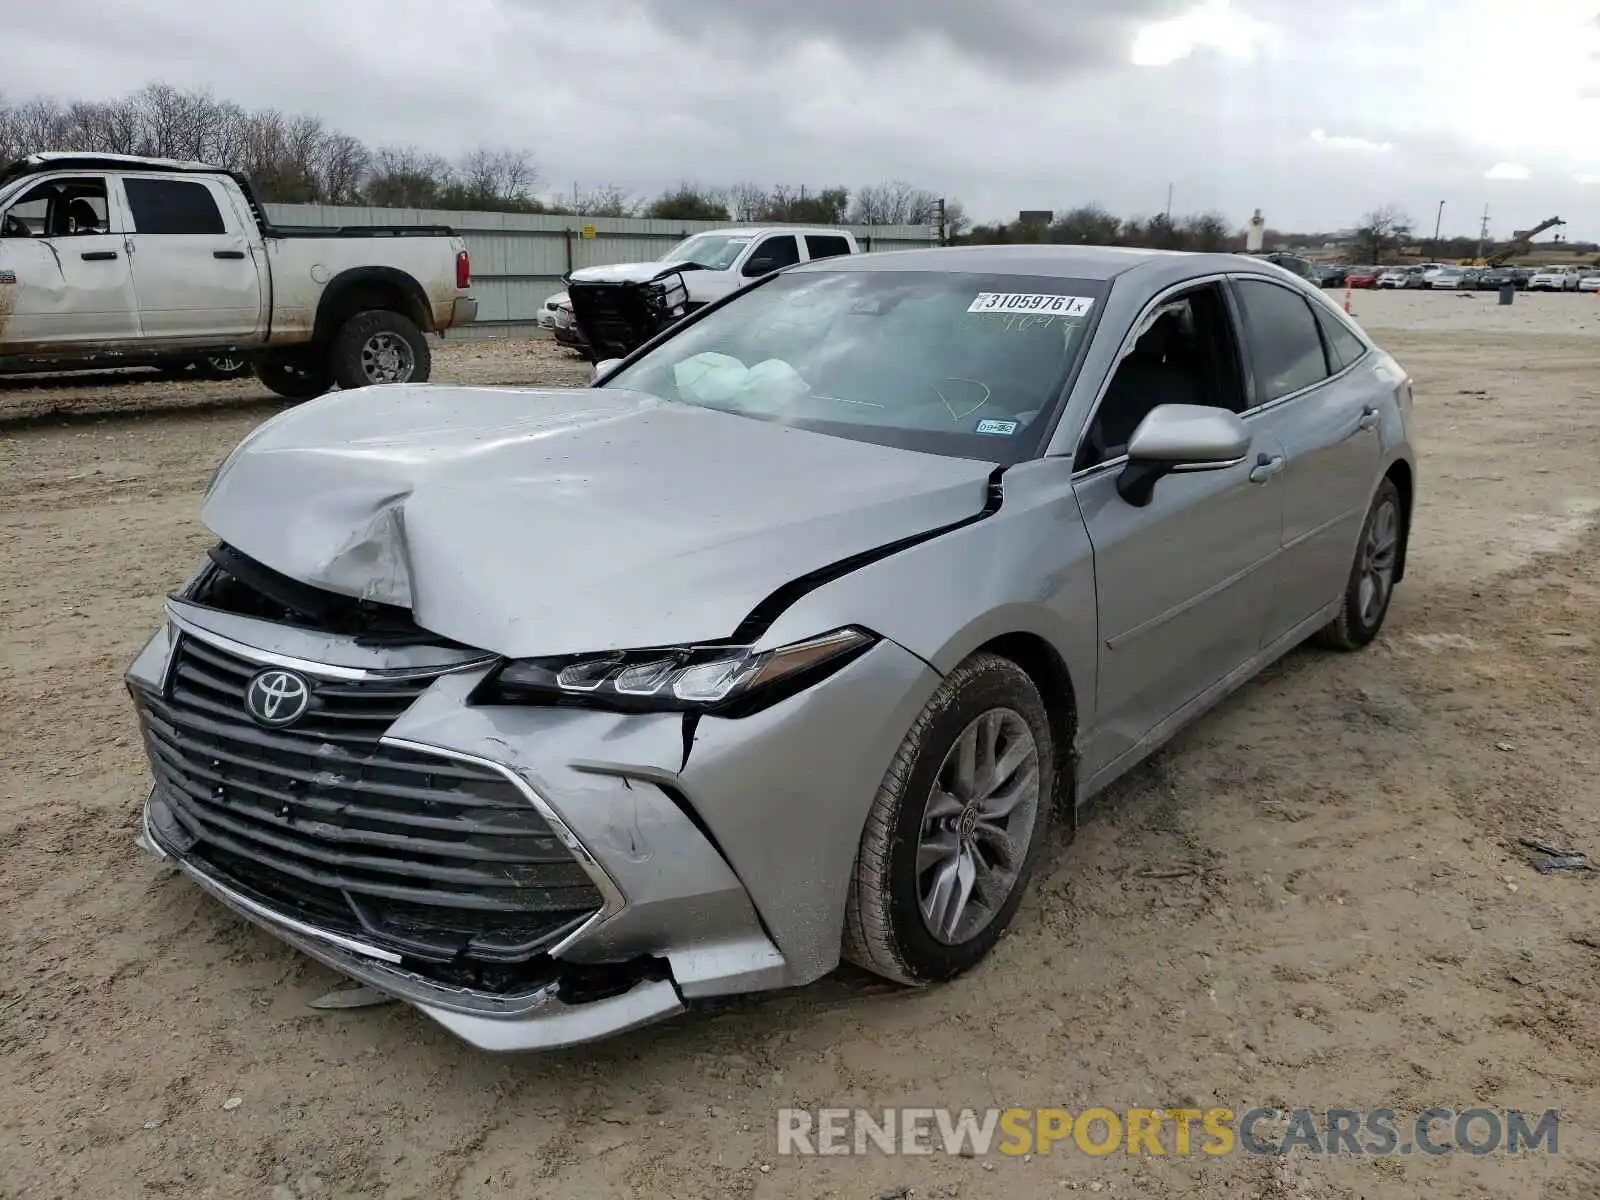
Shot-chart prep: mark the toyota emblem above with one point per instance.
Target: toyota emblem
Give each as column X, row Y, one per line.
column 277, row 698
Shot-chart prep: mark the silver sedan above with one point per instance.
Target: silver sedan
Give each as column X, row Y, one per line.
column 550, row 712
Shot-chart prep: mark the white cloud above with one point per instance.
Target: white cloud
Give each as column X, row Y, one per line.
column 1213, row 25
column 1591, row 177
column 1361, row 144
column 1506, row 170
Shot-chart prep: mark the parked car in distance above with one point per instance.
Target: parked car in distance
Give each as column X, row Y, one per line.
column 1331, row 274
column 1363, row 277
column 1495, row 278
column 1554, row 279
column 1402, row 277
column 111, row 259
column 555, row 316
column 1589, row 281
column 1522, row 275
column 1449, row 279
column 813, row 613
column 1292, row 262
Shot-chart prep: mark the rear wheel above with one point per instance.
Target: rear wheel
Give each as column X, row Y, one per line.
column 299, row 376
column 378, row 347
column 955, row 829
column 1372, row 575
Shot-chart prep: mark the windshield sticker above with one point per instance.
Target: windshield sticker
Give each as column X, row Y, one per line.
column 1003, row 428
column 1031, row 303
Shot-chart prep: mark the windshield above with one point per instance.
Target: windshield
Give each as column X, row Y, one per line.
column 958, row 364
column 714, row 251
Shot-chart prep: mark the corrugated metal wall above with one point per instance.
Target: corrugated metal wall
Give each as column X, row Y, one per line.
column 518, row 258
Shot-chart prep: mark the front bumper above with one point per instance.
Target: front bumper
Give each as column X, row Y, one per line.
column 724, row 870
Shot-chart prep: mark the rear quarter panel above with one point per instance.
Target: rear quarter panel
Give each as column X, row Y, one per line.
column 302, row 268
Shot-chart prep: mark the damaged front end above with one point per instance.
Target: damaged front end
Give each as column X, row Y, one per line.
column 617, row 316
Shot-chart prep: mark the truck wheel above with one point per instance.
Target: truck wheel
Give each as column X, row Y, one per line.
column 226, row 366
column 379, row 347
column 294, row 377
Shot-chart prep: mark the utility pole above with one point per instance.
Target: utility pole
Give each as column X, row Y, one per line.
column 939, row 208
column 1169, row 204
column 1483, row 234
column 1437, row 222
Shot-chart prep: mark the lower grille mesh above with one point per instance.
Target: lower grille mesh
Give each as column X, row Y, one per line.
column 441, row 861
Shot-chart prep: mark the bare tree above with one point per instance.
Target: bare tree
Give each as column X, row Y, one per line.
column 1382, row 230
column 894, row 203
column 749, row 202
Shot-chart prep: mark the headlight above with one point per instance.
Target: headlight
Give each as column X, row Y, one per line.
column 724, row 679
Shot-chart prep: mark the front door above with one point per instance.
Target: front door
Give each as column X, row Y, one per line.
column 65, row 281
column 193, row 270
column 1183, row 584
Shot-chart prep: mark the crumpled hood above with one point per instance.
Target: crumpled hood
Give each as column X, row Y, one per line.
column 553, row 522
column 641, row 272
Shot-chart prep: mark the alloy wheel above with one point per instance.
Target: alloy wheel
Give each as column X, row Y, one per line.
column 977, row 825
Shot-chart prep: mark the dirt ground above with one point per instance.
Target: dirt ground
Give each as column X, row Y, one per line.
column 1314, row 897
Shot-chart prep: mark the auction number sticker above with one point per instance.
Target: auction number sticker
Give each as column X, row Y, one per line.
column 1032, row 303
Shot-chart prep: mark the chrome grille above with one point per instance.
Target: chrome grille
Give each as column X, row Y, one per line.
column 439, row 860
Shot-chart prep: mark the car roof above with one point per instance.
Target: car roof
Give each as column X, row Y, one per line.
column 754, row 230
column 1065, row 262
column 53, row 160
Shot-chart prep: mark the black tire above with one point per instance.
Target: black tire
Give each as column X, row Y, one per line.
column 1359, row 619
column 294, row 377
column 885, row 931
column 362, row 344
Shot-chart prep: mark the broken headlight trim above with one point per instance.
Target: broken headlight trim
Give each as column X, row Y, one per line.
column 719, row 679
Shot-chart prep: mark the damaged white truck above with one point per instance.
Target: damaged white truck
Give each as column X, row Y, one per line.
column 110, row 260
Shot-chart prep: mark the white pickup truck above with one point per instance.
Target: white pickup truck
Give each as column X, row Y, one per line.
column 709, row 265
column 110, row 259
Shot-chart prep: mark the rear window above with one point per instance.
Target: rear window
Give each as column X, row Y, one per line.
column 173, row 206
column 826, row 245
column 948, row 363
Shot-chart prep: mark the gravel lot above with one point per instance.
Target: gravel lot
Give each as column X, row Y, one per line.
column 1313, row 897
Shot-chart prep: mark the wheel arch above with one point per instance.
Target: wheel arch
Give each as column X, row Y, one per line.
column 364, row 289
column 1400, row 474
column 1044, row 665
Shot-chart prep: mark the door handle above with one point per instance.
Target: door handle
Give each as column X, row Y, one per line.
column 227, row 254
column 1267, row 465
column 98, row 255
column 1369, row 418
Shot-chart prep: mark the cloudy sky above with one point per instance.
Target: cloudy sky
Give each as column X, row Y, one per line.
column 1314, row 113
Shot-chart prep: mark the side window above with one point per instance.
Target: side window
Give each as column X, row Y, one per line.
column 60, row 208
column 1185, row 354
column 173, row 206
column 1343, row 346
column 1285, row 347
column 777, row 252
column 826, row 245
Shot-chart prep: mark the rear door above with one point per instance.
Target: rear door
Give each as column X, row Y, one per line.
column 193, row 271
column 64, row 276
column 1313, row 393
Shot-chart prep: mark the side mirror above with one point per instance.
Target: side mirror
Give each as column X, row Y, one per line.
column 758, row 266
column 603, row 368
column 1180, row 438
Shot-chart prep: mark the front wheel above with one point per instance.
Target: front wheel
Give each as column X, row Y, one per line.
column 379, row 347
column 955, row 828
column 294, row 376
column 1372, row 576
